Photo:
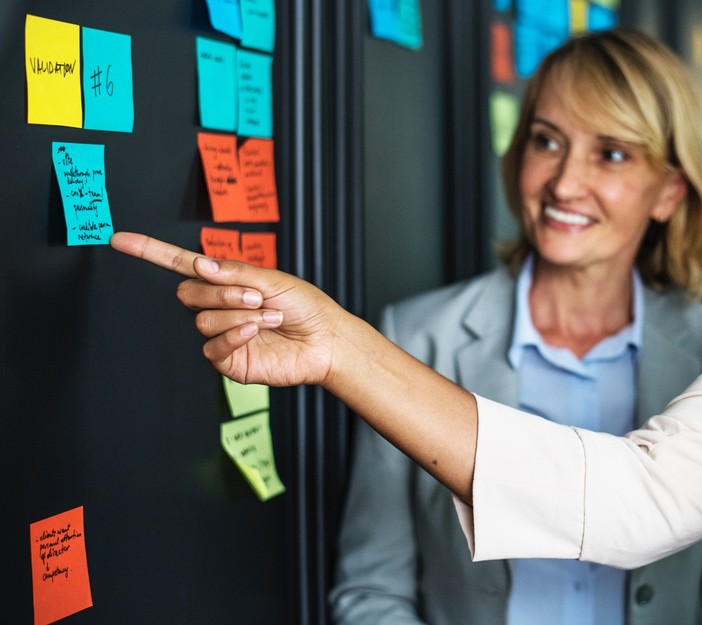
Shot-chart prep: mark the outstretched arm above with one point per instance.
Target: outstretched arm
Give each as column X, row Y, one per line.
column 269, row 327
column 539, row 489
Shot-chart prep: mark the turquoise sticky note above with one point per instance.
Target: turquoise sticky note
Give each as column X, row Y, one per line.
column 601, row 18
column 384, row 19
column 107, row 81
column 258, row 24
column 80, row 171
column 502, row 5
column 216, row 84
column 551, row 17
column 410, row 24
column 244, row 399
column 255, row 94
column 225, row 16
column 530, row 46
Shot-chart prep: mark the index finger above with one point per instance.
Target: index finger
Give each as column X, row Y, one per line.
column 157, row 252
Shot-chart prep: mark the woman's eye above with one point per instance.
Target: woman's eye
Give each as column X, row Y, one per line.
column 614, row 155
column 544, row 142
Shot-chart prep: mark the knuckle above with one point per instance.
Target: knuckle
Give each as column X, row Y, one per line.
column 225, row 296
column 177, row 259
column 204, row 323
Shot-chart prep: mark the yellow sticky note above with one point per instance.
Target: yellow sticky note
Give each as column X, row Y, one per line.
column 249, row 444
column 244, row 399
column 578, row 16
column 52, row 65
column 504, row 113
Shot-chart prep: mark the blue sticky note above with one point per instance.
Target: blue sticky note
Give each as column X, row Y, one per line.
column 80, row 171
column 255, row 94
column 502, row 5
column 225, row 16
column 107, row 81
column 601, row 18
column 216, row 82
column 410, row 22
column 551, row 17
column 384, row 19
column 258, row 24
column 530, row 46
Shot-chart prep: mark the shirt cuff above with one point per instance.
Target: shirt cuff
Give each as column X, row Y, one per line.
column 528, row 487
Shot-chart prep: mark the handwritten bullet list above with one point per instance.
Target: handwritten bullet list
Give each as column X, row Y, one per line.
column 80, row 171
column 60, row 581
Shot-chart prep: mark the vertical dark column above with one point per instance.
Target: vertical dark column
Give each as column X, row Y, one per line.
column 319, row 169
column 467, row 223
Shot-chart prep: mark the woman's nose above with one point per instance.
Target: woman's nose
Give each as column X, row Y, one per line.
column 570, row 177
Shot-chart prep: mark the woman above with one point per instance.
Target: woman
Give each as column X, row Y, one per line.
column 269, row 327
column 581, row 327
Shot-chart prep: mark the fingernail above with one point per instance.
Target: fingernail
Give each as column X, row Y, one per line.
column 252, row 298
column 249, row 329
column 273, row 316
column 207, row 265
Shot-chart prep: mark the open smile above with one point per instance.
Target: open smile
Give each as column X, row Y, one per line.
column 567, row 218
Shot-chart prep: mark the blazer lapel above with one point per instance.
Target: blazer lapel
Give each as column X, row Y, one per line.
column 482, row 364
column 668, row 363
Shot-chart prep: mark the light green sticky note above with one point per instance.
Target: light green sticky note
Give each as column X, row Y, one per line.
column 249, row 444
column 244, row 399
column 504, row 113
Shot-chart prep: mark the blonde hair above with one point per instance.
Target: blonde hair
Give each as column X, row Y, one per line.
column 624, row 78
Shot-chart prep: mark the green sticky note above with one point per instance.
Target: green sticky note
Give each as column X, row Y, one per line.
column 249, row 444
column 244, row 399
column 504, row 113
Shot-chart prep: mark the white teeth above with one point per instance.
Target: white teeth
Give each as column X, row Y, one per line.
column 572, row 219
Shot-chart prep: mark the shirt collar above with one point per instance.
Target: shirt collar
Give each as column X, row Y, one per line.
column 524, row 333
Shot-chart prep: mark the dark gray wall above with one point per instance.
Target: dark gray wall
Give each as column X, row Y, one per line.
column 404, row 163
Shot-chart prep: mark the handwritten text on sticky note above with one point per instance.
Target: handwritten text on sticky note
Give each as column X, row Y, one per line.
column 248, row 443
column 107, row 80
column 60, row 582
column 80, row 170
column 52, row 63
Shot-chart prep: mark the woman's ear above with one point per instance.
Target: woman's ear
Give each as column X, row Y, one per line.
column 672, row 194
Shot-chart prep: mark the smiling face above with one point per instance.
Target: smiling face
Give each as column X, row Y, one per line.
column 588, row 197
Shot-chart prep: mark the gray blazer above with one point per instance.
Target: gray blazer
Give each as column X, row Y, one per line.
column 402, row 557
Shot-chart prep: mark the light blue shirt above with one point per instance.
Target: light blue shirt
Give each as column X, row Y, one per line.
column 597, row 392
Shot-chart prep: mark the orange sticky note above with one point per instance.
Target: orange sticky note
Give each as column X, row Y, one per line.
column 60, row 581
column 259, row 192
column 221, row 167
column 258, row 248
column 501, row 66
column 220, row 243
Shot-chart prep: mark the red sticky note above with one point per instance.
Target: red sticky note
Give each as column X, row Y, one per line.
column 220, row 243
column 60, row 581
column 221, row 166
column 259, row 192
column 501, row 66
column 258, row 248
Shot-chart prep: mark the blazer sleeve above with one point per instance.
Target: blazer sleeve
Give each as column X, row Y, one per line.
column 546, row 490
